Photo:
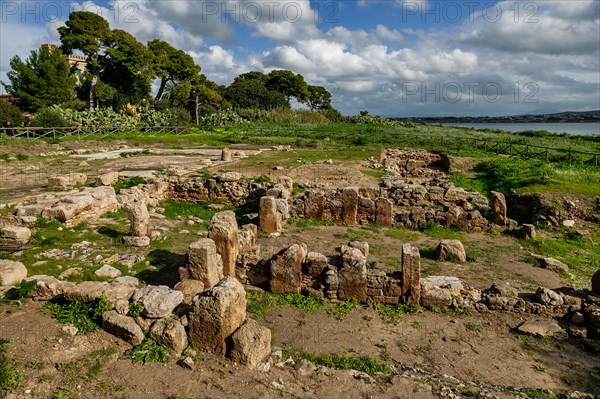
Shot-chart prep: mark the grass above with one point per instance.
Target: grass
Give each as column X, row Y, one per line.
column 582, row 256
column 148, row 352
column 534, row 393
column 392, row 314
column 341, row 310
column 85, row 316
column 123, row 184
column 174, row 208
column 342, row 361
column 441, row 232
column 259, row 304
column 10, row 376
column 401, row 233
column 307, row 224
column 473, row 327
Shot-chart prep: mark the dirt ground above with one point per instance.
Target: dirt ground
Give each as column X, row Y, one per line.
column 436, row 354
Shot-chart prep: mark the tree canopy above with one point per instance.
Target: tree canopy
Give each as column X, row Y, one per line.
column 288, row 83
column 44, row 79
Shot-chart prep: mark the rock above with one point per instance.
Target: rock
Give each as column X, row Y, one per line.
column 216, row 314
column 362, row 246
column 157, row 301
column 455, row 194
column 16, row 234
column 123, row 327
column 189, row 288
column 596, row 282
column 223, row 230
column 247, row 238
column 548, row 297
column 450, row 250
column 349, row 205
column 314, row 203
column 230, row 177
column 203, row 263
column 411, row 274
column 139, row 242
column 502, row 290
column 70, row 330
column 435, row 296
column 75, row 208
column 305, row 367
column 352, row 275
column 11, row 272
column 170, row 333
column 128, row 280
column 186, row 363
column 448, row 282
column 250, row 344
column 270, row 221
column 568, row 223
column 72, row 271
column 139, row 218
column 226, row 154
column 539, row 328
column 48, row 287
column 286, row 270
column 384, row 214
column 63, row 182
column 107, row 271
column 115, row 292
column 498, row 205
column 315, row 264
column 551, row 263
column 107, row 179
column 87, row 291
column 528, row 232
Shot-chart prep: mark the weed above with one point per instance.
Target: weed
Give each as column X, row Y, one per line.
column 539, row 367
column 305, row 224
column 341, row 310
column 120, row 213
column 135, row 309
column 469, row 184
column 260, row 303
column 393, row 314
column 526, row 341
column 437, row 231
column 123, row 184
column 174, row 208
column 262, row 179
column 469, row 392
column 85, row 316
column 358, row 235
column 64, row 393
column 45, row 378
column 20, row 291
column 401, row 233
column 343, row 361
column 418, row 325
column 147, row 352
column 473, row 327
column 22, row 157
column 534, row 393
column 10, row 377
column 310, row 303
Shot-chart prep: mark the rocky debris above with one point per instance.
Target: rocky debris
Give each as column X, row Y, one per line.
column 11, row 272
column 150, row 193
column 230, row 177
column 250, row 344
column 128, row 280
column 223, row 229
column 16, row 235
column 551, row 263
column 203, row 263
column 48, row 287
column 123, row 327
column 216, row 314
column 585, row 234
column 170, row 333
column 157, row 301
column 286, row 269
column 349, row 205
column 282, row 189
column 315, row 264
column 528, row 232
column 305, row 367
column 107, row 179
column 539, row 328
column 548, row 297
column 498, row 205
column 139, row 242
column 352, row 275
column 440, row 290
column 450, row 250
column 247, row 238
column 189, row 288
column 64, row 182
column 411, row 274
column 313, row 205
column 596, row 282
column 108, row 271
column 226, row 154
column 74, row 208
column 125, row 259
column 270, row 220
column 362, row 246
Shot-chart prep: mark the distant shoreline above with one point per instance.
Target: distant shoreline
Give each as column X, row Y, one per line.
column 563, row 117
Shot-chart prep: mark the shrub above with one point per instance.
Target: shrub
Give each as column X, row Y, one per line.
column 49, row 117
column 10, row 113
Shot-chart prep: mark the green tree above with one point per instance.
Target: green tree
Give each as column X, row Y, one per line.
column 43, row 80
column 249, row 93
column 289, row 84
column 171, row 65
column 88, row 33
column 318, row 98
column 10, row 113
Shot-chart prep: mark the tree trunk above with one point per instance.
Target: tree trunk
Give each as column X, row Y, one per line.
column 197, row 105
column 163, row 83
column 92, row 97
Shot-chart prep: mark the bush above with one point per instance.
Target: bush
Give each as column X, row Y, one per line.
column 10, row 113
column 179, row 117
column 49, row 117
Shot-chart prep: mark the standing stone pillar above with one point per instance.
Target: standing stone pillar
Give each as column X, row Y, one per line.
column 314, row 205
column 349, row 205
column 498, row 205
column 268, row 216
column 286, row 270
column 353, row 275
column 223, row 229
column 226, row 154
column 140, row 226
column 383, row 212
column 203, row 263
column 411, row 274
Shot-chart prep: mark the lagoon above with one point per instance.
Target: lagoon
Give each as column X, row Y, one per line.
column 575, row 129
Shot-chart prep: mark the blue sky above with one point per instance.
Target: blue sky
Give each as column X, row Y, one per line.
column 394, row 57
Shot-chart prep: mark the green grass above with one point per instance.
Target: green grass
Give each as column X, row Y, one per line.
column 401, row 233
column 441, row 232
column 342, row 361
column 260, row 303
column 10, row 376
column 469, row 184
column 342, row 309
column 87, row 317
column 534, row 393
column 582, row 256
column 174, row 208
column 307, row 224
column 363, row 233
column 392, row 314
column 147, row 352
column 123, row 184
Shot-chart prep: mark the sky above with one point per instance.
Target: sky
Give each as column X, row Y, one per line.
column 404, row 58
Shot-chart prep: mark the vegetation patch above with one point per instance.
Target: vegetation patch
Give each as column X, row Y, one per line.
column 174, row 208
column 147, row 352
column 87, row 317
column 341, row 310
column 10, row 377
column 392, row 314
column 260, row 303
column 342, row 361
